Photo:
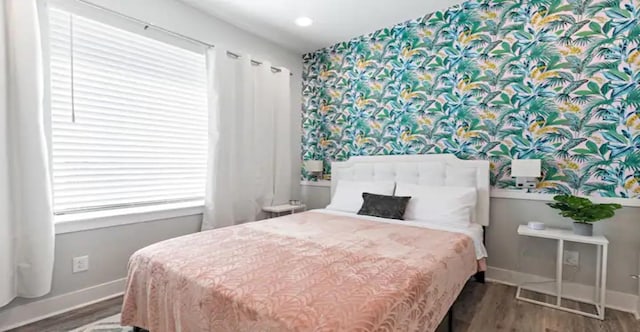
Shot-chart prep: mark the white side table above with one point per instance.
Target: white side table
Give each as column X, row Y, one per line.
column 276, row 210
column 562, row 235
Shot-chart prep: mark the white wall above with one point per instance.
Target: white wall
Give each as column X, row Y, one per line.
column 316, row 197
column 537, row 256
column 110, row 248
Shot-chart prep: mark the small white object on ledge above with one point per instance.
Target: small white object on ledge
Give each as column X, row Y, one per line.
column 537, row 225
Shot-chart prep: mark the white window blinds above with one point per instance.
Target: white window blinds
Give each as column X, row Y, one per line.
column 129, row 118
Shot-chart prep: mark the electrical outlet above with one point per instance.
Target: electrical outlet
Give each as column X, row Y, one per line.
column 80, row 264
column 571, row 258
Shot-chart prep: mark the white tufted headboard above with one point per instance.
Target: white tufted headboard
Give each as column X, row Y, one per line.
column 428, row 169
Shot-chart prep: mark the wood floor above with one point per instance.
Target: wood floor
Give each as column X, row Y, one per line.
column 480, row 308
column 76, row 318
column 493, row 307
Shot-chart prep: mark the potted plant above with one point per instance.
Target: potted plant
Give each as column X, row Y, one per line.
column 583, row 212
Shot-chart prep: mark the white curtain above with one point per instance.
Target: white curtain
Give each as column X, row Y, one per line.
column 26, row 227
column 283, row 173
column 250, row 142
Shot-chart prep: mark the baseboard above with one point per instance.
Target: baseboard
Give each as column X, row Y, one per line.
column 570, row 290
column 45, row 308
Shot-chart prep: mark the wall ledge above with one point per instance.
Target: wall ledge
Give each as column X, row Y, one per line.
column 319, row 183
column 521, row 194
column 516, row 194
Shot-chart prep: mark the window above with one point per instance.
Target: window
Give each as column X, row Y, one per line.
column 129, row 118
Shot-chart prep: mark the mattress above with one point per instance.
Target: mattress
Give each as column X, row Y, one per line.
column 313, row 271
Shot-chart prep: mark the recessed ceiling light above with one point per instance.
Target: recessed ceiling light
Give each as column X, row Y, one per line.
column 303, row 21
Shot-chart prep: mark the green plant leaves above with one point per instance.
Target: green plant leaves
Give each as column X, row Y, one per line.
column 582, row 210
column 556, row 80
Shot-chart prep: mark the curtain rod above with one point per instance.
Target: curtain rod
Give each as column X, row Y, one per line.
column 147, row 25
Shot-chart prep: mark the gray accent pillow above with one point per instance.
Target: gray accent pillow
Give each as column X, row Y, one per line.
column 383, row 206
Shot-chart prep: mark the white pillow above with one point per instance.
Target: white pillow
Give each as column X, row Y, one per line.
column 447, row 205
column 348, row 194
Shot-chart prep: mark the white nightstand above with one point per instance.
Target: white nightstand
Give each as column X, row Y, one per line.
column 276, row 210
column 562, row 235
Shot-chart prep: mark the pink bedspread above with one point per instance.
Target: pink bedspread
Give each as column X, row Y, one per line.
column 304, row 272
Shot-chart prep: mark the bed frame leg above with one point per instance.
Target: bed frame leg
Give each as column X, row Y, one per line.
column 479, row 277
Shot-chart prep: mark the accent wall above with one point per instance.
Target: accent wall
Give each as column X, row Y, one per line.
column 557, row 80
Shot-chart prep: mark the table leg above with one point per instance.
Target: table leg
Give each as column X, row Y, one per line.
column 603, row 285
column 559, row 272
column 598, row 274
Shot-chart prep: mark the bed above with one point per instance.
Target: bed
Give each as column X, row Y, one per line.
column 321, row 270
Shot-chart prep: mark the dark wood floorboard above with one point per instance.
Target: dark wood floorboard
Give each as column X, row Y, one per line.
column 493, row 307
column 76, row 318
column 480, row 308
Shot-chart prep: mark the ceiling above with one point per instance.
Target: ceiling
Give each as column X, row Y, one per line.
column 333, row 20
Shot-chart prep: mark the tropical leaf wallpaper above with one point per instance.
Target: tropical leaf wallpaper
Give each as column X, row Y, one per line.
column 557, row 80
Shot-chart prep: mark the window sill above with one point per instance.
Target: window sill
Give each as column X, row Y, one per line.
column 109, row 218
